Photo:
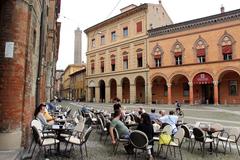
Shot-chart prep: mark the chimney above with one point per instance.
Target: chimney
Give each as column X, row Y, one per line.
column 222, row 9
column 160, row 2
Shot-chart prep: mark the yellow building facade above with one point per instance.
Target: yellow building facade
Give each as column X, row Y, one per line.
column 117, row 53
column 66, row 90
column 193, row 62
column 77, row 85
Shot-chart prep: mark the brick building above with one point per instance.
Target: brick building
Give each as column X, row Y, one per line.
column 25, row 52
column 141, row 57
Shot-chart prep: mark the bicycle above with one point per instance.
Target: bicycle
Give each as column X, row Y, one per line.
column 179, row 112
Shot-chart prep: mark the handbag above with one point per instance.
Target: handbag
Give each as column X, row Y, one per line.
column 164, row 138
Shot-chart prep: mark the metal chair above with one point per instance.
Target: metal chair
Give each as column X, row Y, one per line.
column 139, row 140
column 200, row 137
column 232, row 136
column 188, row 135
column 118, row 140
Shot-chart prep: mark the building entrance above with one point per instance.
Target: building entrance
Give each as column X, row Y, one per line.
column 207, row 94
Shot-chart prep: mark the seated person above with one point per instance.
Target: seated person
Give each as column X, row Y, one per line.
column 154, row 116
column 117, row 106
column 170, row 119
column 48, row 117
column 147, row 127
column 51, row 107
column 162, row 113
column 39, row 114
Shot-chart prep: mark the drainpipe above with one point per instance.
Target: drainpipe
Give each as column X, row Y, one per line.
column 41, row 55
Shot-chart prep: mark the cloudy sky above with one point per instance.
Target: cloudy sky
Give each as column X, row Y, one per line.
column 86, row 13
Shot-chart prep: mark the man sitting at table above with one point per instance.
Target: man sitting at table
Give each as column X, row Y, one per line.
column 153, row 116
column 122, row 130
column 171, row 119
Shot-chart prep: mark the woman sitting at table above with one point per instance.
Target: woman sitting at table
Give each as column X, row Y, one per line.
column 39, row 114
column 147, row 127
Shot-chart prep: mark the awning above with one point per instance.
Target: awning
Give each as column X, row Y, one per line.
column 203, row 78
column 92, row 66
column 102, row 64
column 112, row 61
column 157, row 56
column 125, row 58
column 227, row 49
column 201, row 52
column 139, row 55
column 177, row 54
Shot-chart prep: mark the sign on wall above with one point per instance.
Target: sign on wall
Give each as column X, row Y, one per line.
column 9, row 49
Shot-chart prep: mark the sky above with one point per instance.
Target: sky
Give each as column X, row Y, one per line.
column 86, row 13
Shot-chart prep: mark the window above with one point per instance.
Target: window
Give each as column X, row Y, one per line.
column 113, row 35
column 92, row 68
column 185, row 89
column 102, row 66
column 227, row 57
column 125, row 31
column 201, row 59
column 139, row 59
column 233, row 88
column 158, row 62
column 102, row 40
column 113, row 64
column 178, row 60
column 125, row 64
column 165, row 90
column 139, row 26
column 113, row 67
column 93, row 43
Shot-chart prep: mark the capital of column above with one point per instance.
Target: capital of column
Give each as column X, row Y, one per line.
column 215, row 83
column 119, row 85
column 190, row 84
column 107, row 86
column 169, row 85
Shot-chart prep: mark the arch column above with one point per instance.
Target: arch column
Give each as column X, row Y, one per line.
column 97, row 94
column 216, row 100
column 190, row 93
column 107, row 94
column 119, row 92
column 149, row 88
column 132, row 93
column 88, row 94
column 169, row 85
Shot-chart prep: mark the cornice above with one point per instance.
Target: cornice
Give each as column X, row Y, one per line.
column 117, row 17
column 196, row 23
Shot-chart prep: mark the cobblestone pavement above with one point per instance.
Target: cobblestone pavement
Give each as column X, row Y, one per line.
column 99, row 151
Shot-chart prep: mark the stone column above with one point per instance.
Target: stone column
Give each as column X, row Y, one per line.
column 169, row 85
column 190, row 93
column 119, row 92
column 89, row 94
column 132, row 93
column 215, row 83
column 149, row 87
column 107, row 94
column 97, row 94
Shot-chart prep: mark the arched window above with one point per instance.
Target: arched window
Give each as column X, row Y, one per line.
column 113, row 62
column 92, row 66
column 200, row 48
column 125, row 60
column 226, row 44
column 157, row 55
column 102, row 64
column 139, row 57
column 178, row 50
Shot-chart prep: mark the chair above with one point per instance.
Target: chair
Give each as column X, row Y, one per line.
column 200, row 137
column 188, row 135
column 118, row 140
column 176, row 142
column 139, row 140
column 42, row 141
column 232, row 136
column 77, row 131
column 79, row 140
column 104, row 130
column 166, row 130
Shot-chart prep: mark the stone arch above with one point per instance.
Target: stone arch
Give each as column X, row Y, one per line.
column 225, row 69
column 125, row 84
column 102, row 89
column 203, row 70
column 140, row 83
column 177, row 51
column 91, row 84
column 158, row 74
column 157, row 56
column 226, row 34
column 157, row 49
column 159, row 89
column 179, row 73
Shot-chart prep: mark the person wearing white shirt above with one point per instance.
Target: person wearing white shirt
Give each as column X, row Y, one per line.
column 171, row 119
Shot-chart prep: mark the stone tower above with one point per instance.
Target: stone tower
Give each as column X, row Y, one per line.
column 78, row 46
